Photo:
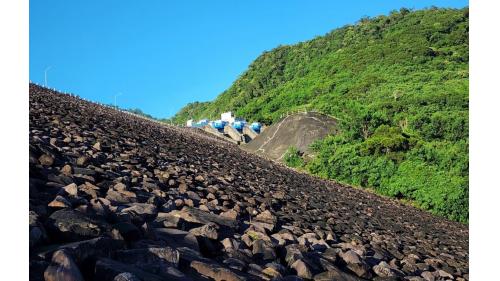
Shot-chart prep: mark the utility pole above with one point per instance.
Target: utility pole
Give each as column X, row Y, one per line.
column 46, row 69
column 117, row 95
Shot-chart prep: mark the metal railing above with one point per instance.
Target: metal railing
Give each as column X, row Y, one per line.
column 305, row 111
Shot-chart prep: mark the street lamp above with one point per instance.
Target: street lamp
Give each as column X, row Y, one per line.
column 47, row 69
column 117, row 95
column 170, row 113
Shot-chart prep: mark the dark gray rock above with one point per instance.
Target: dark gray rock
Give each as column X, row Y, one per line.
column 107, row 269
column 70, row 189
column 126, row 276
column 168, row 206
column 37, row 269
column 235, row 264
column 62, row 267
column 293, row 253
column 336, row 275
column 81, row 251
column 128, row 231
column 194, row 215
column 37, row 234
column 302, row 269
column 121, row 197
column 217, row 273
column 46, row 160
column 210, row 230
column 159, row 261
column 263, row 250
column 384, row 270
column 60, row 202
column 140, row 212
column 149, row 256
column 356, row 264
column 70, row 225
column 171, row 221
column 428, row 276
column 177, row 238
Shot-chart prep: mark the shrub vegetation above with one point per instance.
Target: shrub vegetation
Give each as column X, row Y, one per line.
column 293, row 157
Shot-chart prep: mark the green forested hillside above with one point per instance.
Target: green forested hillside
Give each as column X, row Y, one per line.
column 398, row 85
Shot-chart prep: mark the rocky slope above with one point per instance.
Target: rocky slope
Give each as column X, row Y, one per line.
column 298, row 130
column 117, row 197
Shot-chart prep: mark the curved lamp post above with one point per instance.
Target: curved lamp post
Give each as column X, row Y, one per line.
column 117, row 95
column 46, row 69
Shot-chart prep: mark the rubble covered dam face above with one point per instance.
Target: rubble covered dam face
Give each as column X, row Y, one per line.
column 156, row 202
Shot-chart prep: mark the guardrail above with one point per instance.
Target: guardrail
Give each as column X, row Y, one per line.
column 305, row 111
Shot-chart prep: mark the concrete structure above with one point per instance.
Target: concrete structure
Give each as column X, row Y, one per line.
column 213, row 131
column 228, row 126
column 249, row 132
column 233, row 133
column 228, row 117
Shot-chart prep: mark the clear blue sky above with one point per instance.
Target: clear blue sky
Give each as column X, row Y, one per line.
column 163, row 54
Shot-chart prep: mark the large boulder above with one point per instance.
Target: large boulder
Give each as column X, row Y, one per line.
column 107, row 270
column 154, row 260
column 336, row 275
column 188, row 255
column 177, row 238
column 37, row 269
column 81, row 251
column 216, row 272
column 37, row 232
column 384, row 270
column 62, row 268
column 121, row 196
column 149, row 255
column 195, row 215
column 60, row 202
column 284, row 237
column 210, row 230
column 264, row 250
column 302, row 269
column 266, row 217
column 128, row 231
column 293, row 252
column 356, row 264
column 46, row 160
column 140, row 212
column 126, row 276
column 71, row 225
